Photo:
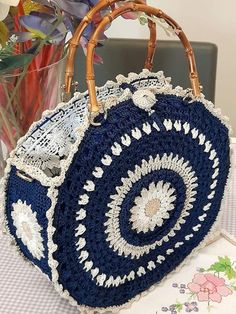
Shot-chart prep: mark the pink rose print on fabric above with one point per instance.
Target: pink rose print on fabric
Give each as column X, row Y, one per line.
column 209, row 287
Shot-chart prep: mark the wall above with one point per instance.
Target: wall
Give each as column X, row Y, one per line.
column 212, row 21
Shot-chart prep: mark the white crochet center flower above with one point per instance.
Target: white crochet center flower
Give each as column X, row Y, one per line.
column 28, row 228
column 152, row 207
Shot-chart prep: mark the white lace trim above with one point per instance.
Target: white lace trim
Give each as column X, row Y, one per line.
column 53, row 183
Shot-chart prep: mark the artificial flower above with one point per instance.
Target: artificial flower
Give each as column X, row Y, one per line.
column 30, row 6
column 9, row 60
column 76, row 9
column 5, row 6
column 42, row 26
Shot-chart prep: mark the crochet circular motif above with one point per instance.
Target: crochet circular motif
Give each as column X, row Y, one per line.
column 152, row 207
column 28, row 228
column 138, row 198
column 157, row 193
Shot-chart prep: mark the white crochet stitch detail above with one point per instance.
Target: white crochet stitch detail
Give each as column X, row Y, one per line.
column 152, row 207
column 147, row 128
column 89, row 186
column 136, row 133
column 126, row 140
column 116, row 149
column 28, row 228
column 106, row 160
column 80, row 244
column 168, row 124
column 98, row 172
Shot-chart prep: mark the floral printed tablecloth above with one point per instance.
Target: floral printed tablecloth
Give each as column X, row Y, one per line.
column 206, row 285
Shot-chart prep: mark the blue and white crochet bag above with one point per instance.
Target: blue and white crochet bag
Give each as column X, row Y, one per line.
column 107, row 211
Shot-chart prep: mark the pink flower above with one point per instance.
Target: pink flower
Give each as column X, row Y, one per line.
column 209, row 287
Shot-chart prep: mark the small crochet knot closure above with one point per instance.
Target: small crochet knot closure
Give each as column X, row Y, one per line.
column 152, row 207
column 144, row 99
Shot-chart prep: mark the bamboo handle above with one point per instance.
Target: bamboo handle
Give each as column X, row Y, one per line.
column 131, row 6
column 74, row 42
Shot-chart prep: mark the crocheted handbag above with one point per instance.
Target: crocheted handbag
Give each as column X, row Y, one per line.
column 108, row 201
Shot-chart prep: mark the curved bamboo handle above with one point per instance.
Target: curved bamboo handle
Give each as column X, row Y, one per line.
column 131, row 6
column 74, row 42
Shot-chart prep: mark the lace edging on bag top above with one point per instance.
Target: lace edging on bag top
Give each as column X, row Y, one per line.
column 45, row 147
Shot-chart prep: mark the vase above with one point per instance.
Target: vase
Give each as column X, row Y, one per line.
column 23, row 98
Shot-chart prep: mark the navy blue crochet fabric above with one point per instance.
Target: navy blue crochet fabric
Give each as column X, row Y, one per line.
column 98, row 264
column 34, row 194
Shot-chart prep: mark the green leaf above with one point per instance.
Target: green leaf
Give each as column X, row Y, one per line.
column 179, row 307
column 233, row 287
column 217, row 267
column 224, row 265
column 143, row 20
column 14, row 62
column 230, row 273
column 224, row 260
column 3, row 34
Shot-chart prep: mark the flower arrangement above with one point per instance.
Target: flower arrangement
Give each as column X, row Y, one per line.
column 34, row 37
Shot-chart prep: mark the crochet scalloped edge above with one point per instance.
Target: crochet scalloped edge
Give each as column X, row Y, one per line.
column 53, row 184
